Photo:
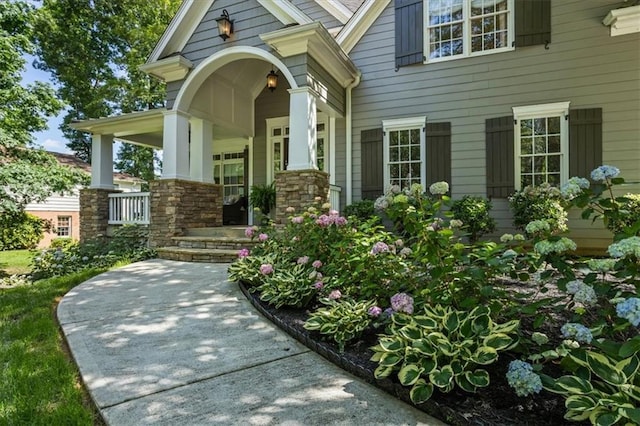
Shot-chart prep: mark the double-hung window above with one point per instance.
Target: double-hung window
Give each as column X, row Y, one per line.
column 541, row 144
column 63, row 226
column 460, row 28
column 404, row 155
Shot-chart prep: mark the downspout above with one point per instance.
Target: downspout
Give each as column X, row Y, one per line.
column 349, row 195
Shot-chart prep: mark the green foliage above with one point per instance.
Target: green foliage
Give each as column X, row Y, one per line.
column 63, row 243
column 289, row 286
column 363, row 210
column 20, row 231
column 474, row 214
column 138, row 161
column 442, row 348
column 263, row 197
column 542, row 202
column 247, row 269
column 343, row 320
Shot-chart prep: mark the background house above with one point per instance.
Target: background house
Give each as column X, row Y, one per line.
column 489, row 95
column 63, row 211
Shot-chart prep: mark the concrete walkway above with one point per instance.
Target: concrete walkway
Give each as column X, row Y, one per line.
column 168, row 342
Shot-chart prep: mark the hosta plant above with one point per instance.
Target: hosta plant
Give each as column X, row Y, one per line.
column 342, row 320
column 442, row 347
column 290, row 285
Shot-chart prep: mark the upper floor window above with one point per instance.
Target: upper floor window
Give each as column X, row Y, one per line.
column 461, row 28
column 541, row 144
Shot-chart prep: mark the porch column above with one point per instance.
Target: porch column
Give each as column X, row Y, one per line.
column 102, row 161
column 201, row 149
column 302, row 129
column 175, row 145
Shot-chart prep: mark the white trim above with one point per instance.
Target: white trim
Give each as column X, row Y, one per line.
column 250, row 184
column 270, row 124
column 404, row 124
column 331, row 133
column 285, row 12
column 173, row 68
column 360, row 22
column 336, row 9
column 181, row 28
column 623, row 21
column 466, row 34
column 219, row 59
column 555, row 109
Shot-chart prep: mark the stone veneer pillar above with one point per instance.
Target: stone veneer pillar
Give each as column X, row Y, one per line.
column 94, row 213
column 298, row 189
column 180, row 204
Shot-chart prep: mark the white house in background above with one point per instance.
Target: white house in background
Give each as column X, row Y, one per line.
column 63, row 211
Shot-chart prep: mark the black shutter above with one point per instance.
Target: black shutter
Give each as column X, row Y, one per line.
column 438, row 153
column 371, row 166
column 585, row 141
column 500, row 157
column 409, row 32
column 533, row 22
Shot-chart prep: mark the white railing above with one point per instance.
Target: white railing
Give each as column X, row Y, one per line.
column 334, row 197
column 127, row 208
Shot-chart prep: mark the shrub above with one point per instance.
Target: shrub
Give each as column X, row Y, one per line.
column 21, row 231
column 363, row 210
column 629, row 215
column 63, row 243
column 543, row 202
column 474, row 214
column 263, row 197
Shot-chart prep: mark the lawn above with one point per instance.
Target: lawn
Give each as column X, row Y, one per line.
column 39, row 384
column 15, row 262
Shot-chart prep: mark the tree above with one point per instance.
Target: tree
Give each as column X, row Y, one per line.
column 93, row 49
column 137, row 161
column 27, row 174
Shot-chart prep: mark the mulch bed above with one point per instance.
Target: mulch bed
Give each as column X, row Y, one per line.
column 495, row 405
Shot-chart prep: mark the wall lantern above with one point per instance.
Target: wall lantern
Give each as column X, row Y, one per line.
column 225, row 25
column 272, row 80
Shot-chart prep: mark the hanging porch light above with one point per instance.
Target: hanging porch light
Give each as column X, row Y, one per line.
column 272, row 80
column 225, row 25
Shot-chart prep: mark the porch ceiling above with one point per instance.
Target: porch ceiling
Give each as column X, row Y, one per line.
column 140, row 128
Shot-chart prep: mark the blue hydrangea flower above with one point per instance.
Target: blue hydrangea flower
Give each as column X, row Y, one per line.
column 625, row 248
column 602, row 173
column 630, row 310
column 582, row 293
column 577, row 332
column 522, row 379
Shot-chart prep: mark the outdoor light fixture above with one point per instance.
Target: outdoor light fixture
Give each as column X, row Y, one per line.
column 225, row 25
column 272, row 80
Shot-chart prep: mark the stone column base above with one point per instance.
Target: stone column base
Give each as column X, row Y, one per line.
column 177, row 205
column 94, row 213
column 299, row 189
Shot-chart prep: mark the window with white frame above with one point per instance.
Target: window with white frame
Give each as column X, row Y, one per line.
column 404, row 155
column 541, row 144
column 63, row 226
column 228, row 170
column 461, row 28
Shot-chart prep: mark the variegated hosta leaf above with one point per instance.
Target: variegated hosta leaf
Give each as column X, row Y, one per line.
column 484, row 355
column 574, row 385
column 601, row 366
column 498, row 341
column 390, row 359
column 478, row 378
column 580, row 403
column 409, row 374
column 464, row 384
column 382, row 371
column 421, row 391
column 441, row 378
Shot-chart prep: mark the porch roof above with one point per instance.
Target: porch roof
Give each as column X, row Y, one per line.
column 140, row 127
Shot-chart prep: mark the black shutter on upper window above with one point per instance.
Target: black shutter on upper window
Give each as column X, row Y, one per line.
column 409, row 32
column 500, row 157
column 371, row 163
column 533, row 22
column 585, row 141
column 438, row 153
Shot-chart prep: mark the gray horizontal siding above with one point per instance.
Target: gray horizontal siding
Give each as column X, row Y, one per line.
column 316, row 12
column 336, row 94
column 583, row 65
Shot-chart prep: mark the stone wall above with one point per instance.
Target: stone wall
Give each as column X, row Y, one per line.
column 94, row 213
column 180, row 204
column 298, row 189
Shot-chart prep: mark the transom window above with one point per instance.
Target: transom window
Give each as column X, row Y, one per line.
column 541, row 137
column 63, row 226
column 404, row 155
column 459, row 28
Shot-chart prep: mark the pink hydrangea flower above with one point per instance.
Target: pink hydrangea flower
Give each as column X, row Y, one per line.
column 303, row 260
column 266, row 269
column 379, row 247
column 297, row 220
column 290, row 210
column 263, row 237
column 374, row 311
column 316, row 264
column 319, row 285
column 335, row 294
column 243, row 253
column 402, row 302
column 249, row 232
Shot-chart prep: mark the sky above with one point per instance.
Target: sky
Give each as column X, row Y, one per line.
column 52, row 138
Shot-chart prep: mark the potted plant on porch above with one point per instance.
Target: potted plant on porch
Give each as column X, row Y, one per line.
column 263, row 198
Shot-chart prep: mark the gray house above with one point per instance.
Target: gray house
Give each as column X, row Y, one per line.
column 342, row 98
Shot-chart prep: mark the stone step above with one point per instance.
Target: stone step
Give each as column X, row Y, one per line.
column 197, row 255
column 219, row 231
column 227, row 243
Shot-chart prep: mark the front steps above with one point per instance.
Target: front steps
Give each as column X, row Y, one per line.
column 211, row 245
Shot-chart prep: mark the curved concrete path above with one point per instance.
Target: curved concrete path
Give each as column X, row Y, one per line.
column 168, row 342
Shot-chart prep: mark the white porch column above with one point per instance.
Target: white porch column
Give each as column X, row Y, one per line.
column 175, row 145
column 302, row 129
column 201, row 147
column 102, row 161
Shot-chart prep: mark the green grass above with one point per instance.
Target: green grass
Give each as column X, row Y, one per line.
column 15, row 262
column 39, row 384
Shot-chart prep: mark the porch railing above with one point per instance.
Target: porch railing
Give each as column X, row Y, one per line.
column 129, row 208
column 334, row 197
